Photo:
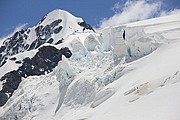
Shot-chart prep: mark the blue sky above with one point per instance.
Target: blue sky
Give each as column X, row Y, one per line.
column 26, row 13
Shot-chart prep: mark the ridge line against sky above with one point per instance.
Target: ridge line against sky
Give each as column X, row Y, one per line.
column 19, row 14
column 134, row 10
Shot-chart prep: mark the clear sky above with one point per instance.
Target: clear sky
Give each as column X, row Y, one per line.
column 14, row 13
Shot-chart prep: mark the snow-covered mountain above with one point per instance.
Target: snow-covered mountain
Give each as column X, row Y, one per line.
column 24, row 55
column 53, row 28
column 62, row 69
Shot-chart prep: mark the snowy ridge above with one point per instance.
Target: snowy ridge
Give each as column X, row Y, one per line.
column 154, row 21
column 124, row 72
column 68, row 23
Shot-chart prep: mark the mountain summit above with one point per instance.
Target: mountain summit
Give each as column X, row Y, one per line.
column 53, row 28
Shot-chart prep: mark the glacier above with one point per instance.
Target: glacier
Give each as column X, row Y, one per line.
column 124, row 72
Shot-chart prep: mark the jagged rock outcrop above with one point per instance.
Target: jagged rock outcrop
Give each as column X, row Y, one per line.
column 85, row 26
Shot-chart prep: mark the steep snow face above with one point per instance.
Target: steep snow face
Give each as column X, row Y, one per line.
column 149, row 91
column 124, row 72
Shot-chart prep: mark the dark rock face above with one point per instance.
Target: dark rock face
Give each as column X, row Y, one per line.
column 42, row 19
column 59, row 41
column 2, row 60
column 13, row 58
column 12, row 46
column 55, row 23
column 85, row 26
column 57, row 30
column 45, row 60
column 47, row 30
column 2, row 48
column 17, row 43
column 18, row 62
column 50, row 40
column 43, row 33
column 12, row 79
column 3, row 98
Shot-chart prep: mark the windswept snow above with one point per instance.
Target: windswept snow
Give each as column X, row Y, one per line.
column 162, row 27
column 173, row 34
column 154, row 21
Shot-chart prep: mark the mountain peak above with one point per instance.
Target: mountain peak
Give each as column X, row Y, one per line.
column 59, row 14
column 52, row 29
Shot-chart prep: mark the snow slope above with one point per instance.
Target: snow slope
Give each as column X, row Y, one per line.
column 108, row 77
column 149, row 91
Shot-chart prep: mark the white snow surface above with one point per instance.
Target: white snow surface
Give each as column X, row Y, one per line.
column 1, row 85
column 143, row 84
